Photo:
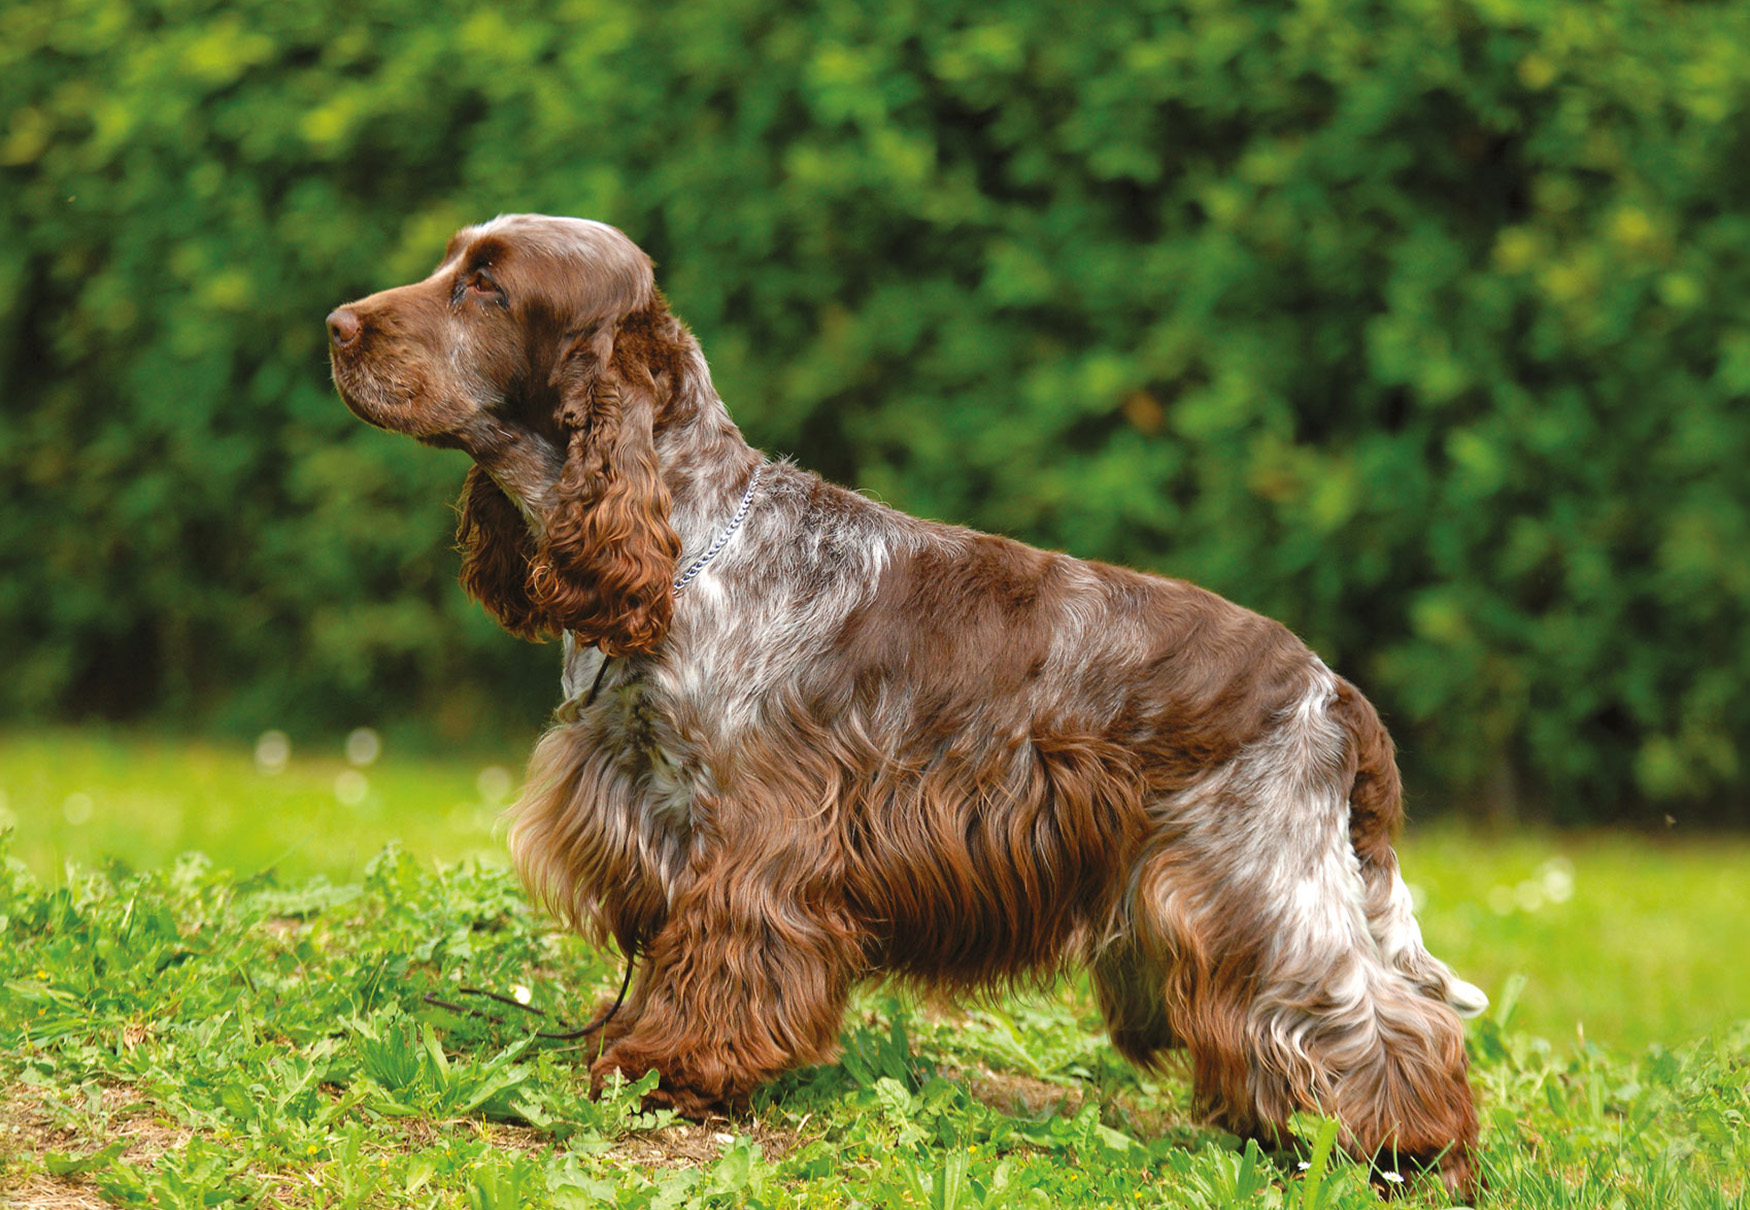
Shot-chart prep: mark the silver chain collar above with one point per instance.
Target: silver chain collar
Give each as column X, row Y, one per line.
column 716, row 548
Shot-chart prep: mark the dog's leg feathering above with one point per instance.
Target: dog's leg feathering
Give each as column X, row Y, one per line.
column 747, row 979
column 1252, row 908
column 1375, row 813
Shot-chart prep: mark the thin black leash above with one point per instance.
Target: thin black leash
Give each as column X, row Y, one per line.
column 568, row 1035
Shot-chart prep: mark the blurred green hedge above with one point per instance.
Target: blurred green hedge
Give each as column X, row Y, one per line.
column 1423, row 325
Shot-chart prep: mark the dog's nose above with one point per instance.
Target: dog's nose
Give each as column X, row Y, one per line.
column 343, row 327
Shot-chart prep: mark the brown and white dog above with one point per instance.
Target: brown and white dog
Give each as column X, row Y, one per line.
column 855, row 744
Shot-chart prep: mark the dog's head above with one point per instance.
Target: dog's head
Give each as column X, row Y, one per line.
column 542, row 347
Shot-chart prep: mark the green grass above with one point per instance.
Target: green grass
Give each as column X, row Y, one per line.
column 93, row 798
column 1648, row 947
column 188, row 1036
column 1645, row 946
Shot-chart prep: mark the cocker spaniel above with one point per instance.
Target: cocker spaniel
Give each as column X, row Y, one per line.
column 808, row 740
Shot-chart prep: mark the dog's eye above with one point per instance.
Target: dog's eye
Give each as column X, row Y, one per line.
column 478, row 284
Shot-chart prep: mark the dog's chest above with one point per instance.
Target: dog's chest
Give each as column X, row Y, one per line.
column 657, row 762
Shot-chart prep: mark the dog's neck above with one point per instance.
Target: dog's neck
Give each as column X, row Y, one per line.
column 527, row 467
column 702, row 457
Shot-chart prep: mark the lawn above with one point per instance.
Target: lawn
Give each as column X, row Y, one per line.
column 91, row 797
column 250, row 1029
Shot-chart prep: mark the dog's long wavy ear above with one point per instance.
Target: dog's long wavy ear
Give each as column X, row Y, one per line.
column 496, row 550
column 604, row 569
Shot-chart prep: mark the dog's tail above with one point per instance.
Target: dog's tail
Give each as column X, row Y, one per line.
column 1376, row 811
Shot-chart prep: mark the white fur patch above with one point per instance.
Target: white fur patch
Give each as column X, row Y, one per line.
column 1466, row 999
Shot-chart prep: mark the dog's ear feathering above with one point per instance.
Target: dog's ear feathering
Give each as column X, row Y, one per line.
column 496, row 550
column 604, row 566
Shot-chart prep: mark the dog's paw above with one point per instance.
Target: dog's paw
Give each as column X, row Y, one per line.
column 682, row 1096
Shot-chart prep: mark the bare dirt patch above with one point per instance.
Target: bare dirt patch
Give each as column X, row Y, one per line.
column 32, row 1125
column 37, row 1192
column 1007, row 1092
column 691, row 1144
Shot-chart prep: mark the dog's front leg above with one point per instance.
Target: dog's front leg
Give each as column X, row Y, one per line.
column 746, row 979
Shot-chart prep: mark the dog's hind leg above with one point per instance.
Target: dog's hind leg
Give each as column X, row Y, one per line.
column 1253, row 902
column 1375, row 815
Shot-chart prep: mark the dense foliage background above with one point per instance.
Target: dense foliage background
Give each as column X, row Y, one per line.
column 1423, row 325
